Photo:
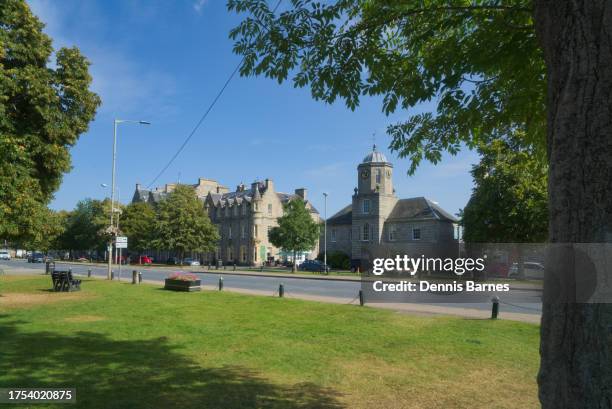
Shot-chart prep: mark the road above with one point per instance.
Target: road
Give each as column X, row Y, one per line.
column 523, row 301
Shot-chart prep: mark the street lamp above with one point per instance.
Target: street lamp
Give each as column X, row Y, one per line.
column 325, row 233
column 111, row 229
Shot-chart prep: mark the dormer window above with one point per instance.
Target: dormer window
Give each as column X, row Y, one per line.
column 365, row 206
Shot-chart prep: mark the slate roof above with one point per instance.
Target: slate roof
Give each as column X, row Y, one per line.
column 344, row 216
column 419, row 208
column 416, row 208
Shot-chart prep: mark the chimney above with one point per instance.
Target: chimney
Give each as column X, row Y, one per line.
column 255, row 190
column 138, row 186
column 269, row 185
column 301, row 192
column 240, row 187
column 218, row 188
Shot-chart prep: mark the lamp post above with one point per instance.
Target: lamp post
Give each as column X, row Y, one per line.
column 112, row 231
column 325, row 232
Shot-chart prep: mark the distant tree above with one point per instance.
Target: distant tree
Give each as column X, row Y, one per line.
column 182, row 224
column 509, row 202
column 138, row 224
column 86, row 226
column 44, row 108
column 51, row 226
column 296, row 230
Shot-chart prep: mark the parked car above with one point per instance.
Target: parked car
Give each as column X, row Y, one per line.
column 314, row 265
column 82, row 260
column 531, row 270
column 191, row 262
column 172, row 261
column 142, row 260
column 5, row 255
column 36, row 257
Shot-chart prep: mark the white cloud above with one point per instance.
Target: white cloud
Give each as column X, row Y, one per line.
column 199, row 5
column 124, row 85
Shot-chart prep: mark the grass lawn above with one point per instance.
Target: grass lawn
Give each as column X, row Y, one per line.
column 124, row 346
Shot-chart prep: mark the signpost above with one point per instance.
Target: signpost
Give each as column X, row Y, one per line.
column 121, row 242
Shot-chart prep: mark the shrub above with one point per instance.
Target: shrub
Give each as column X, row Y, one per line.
column 183, row 277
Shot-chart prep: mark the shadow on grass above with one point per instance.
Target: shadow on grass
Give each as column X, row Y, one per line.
column 139, row 374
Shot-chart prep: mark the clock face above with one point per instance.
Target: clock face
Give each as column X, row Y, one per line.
column 365, row 174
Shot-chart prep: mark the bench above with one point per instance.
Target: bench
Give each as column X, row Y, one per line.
column 63, row 281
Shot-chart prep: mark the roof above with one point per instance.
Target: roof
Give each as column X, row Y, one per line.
column 344, row 216
column 419, row 208
column 375, row 157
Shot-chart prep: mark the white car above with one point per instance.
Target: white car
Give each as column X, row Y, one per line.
column 531, row 270
column 4, row 255
column 191, row 262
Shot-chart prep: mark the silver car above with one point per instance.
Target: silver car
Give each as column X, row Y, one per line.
column 191, row 262
column 531, row 270
column 5, row 255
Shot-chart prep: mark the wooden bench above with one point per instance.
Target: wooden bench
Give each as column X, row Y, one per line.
column 63, row 281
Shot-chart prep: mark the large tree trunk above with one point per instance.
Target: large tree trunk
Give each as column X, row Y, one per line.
column 576, row 36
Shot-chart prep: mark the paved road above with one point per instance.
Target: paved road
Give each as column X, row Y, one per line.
column 517, row 301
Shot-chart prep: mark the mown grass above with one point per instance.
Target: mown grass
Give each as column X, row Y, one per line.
column 125, row 346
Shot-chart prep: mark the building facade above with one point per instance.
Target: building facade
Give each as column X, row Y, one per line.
column 378, row 224
column 243, row 218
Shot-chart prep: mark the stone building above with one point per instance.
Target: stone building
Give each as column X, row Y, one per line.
column 378, row 224
column 243, row 218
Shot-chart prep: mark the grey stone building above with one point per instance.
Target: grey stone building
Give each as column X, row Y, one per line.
column 243, row 218
column 378, row 224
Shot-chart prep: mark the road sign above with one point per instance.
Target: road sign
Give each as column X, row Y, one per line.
column 121, row 242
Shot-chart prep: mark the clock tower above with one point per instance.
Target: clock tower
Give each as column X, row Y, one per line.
column 373, row 201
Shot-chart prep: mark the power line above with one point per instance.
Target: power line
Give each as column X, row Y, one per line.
column 203, row 117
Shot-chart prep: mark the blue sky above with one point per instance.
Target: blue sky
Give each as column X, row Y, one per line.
column 164, row 61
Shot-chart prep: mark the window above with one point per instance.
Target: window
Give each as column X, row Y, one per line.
column 243, row 232
column 392, row 235
column 378, row 175
column 366, row 206
column 255, row 253
column 366, row 232
column 235, row 210
column 218, row 212
column 255, row 231
column 416, row 234
column 256, row 206
column 333, row 235
column 244, row 206
column 270, row 209
column 227, row 210
column 243, row 256
column 229, row 232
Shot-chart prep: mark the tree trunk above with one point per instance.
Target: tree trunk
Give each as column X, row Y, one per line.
column 294, row 266
column 576, row 37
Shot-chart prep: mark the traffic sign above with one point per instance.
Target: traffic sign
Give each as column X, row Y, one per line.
column 121, row 242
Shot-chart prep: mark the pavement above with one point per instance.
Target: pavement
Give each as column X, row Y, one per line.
column 521, row 304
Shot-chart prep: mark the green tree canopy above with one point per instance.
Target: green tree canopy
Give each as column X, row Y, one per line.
column 183, row 225
column 509, row 203
column 478, row 59
column 138, row 224
column 296, row 230
column 86, row 226
column 44, row 108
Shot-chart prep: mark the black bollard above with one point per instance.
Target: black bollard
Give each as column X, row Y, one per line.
column 495, row 308
column 361, row 300
column 220, row 283
column 112, row 275
column 89, row 272
column 281, row 290
column 47, row 267
column 139, row 277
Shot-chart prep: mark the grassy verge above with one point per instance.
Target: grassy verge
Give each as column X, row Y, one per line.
column 125, row 346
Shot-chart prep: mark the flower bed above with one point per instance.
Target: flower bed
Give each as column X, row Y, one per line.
column 182, row 282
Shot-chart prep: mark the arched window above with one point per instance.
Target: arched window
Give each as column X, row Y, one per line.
column 378, row 175
column 366, row 232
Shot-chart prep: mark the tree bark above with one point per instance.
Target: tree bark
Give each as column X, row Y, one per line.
column 576, row 37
